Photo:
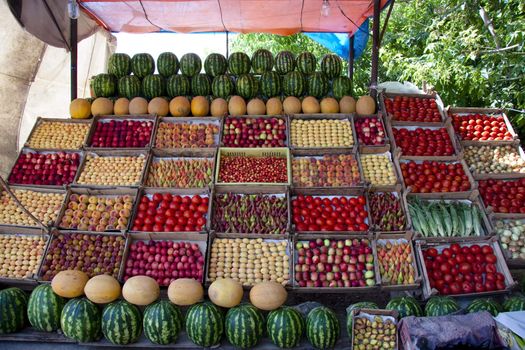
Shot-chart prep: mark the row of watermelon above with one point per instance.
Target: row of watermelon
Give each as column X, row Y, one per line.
column 215, row 64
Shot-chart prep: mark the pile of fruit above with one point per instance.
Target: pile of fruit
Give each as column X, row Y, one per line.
column 45, row 169
column 165, row 212
column 494, row 160
column 424, row 142
column 186, row 135
column 378, row 169
column 504, row 196
column 44, row 206
column 97, row 213
column 427, row 176
column 58, row 135
column 249, row 261
column 254, row 132
column 396, row 262
column 122, row 134
column 307, row 133
column 326, row 171
column 374, row 332
column 416, row 109
column 180, row 172
column 481, row 127
column 512, row 237
column 335, row 263
column 112, row 171
column 386, row 211
column 325, row 213
column 253, row 169
column 20, row 255
column 370, row 131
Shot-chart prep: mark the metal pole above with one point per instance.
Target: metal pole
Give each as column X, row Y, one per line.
column 375, row 49
column 227, row 44
column 351, row 64
column 74, row 44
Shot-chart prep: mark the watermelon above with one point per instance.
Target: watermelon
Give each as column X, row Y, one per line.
column 247, row 86
column 104, row 85
column 341, row 87
column 190, row 64
column 331, row 65
column 441, row 306
column 239, row 63
column 119, row 65
column 129, row 86
column 13, row 308
column 153, row 86
column 142, row 64
column 244, row 326
column 306, row 63
column 162, row 322
column 285, row 327
column 359, row 305
column 215, row 64
column 178, row 85
column 204, row 324
column 271, row 84
column 200, row 85
column 405, row 306
column 514, row 303
column 262, row 61
column 121, row 323
column 294, row 84
column 318, row 85
column 322, row 328
column 81, row 321
column 44, row 308
column 222, row 86
column 484, row 304
column 284, row 62
column 167, row 64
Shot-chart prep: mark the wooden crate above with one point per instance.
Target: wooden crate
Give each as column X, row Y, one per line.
column 488, row 176
column 390, row 120
column 402, row 197
column 370, row 314
column 41, row 120
column 397, row 186
column 284, row 118
column 365, row 149
column 516, row 263
column 497, row 215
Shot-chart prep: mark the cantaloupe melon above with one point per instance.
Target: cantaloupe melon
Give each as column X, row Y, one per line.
column 180, row 107
column 80, row 108
column 141, row 290
column 237, row 106
column 159, row 106
column 256, row 106
column 274, row 106
column 225, row 292
column 185, row 291
column 138, row 105
column 347, row 105
column 69, row 283
column 268, row 295
column 102, row 106
column 121, row 106
column 310, row 105
column 200, row 106
column 219, row 107
column 329, row 105
column 102, row 289
column 292, row 105
column 365, row 105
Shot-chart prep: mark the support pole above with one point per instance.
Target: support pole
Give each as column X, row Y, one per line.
column 227, row 44
column 74, row 44
column 351, row 64
column 375, row 49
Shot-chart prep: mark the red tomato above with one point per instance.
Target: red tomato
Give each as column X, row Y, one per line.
column 459, row 278
column 444, row 268
column 455, row 288
column 486, row 249
column 480, row 287
column 448, row 278
column 465, row 268
column 468, row 287
column 432, row 252
column 447, row 253
column 490, row 286
column 490, row 258
column 500, row 285
column 470, row 258
column 491, row 268
column 456, row 248
column 465, row 250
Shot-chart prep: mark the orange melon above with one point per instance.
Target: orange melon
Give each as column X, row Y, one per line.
column 365, row 105
column 347, row 105
column 292, row 105
column 80, row 108
column 274, row 106
column 237, row 106
column 268, row 295
column 121, row 106
column 256, row 106
column 200, row 106
column 141, row 290
column 180, row 107
column 225, row 292
column 102, row 289
column 310, row 105
column 159, row 106
column 185, row 291
column 69, row 283
column 219, row 107
column 102, row 106
column 138, row 106
column 329, row 105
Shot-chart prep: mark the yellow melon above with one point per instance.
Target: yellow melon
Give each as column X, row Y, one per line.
column 225, row 292
column 121, row 106
column 159, row 106
column 329, row 105
column 180, row 107
column 268, row 295
column 80, row 108
column 219, row 107
column 69, row 283
column 102, row 106
column 102, row 289
column 292, row 105
column 237, row 105
column 200, row 107
column 365, row 105
column 256, row 106
column 138, row 105
column 185, row 291
column 347, row 105
column 274, row 106
column 141, row 290
column 310, row 105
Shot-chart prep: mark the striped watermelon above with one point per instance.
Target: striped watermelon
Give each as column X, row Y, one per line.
column 514, row 303
column 153, row 86
column 104, row 85
column 129, row 86
column 215, row 64
column 162, row 322
column 222, row 86
column 350, row 312
column 405, row 306
column 239, row 63
column 80, row 320
column 331, row 65
column 204, row 324
column 178, row 85
column 200, row 85
column 484, row 304
column 341, row 87
column 285, row 327
column 190, row 64
column 142, row 64
column 244, row 326
column 247, row 86
column 119, row 65
column 441, row 306
column 44, row 308
column 318, row 85
column 271, row 84
column 262, row 61
column 121, row 323
column 13, row 308
column 284, row 62
column 167, row 64
column 322, row 328
column 294, row 84
column 306, row 63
